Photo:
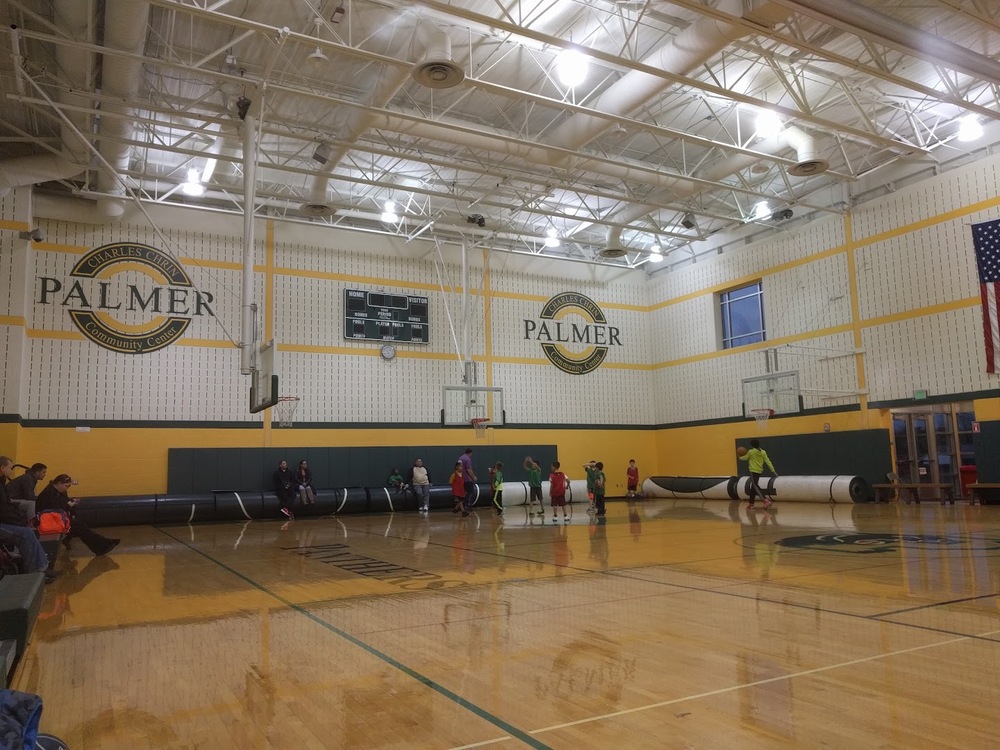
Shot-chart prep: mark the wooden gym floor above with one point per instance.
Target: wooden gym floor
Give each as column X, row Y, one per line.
column 672, row 624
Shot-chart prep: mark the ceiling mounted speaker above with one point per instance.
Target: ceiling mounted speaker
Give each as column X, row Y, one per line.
column 688, row 221
column 438, row 74
column 810, row 167
column 317, row 209
column 612, row 252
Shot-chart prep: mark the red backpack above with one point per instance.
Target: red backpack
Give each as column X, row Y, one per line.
column 53, row 522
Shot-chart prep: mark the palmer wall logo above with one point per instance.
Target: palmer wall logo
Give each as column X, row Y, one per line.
column 127, row 297
column 573, row 332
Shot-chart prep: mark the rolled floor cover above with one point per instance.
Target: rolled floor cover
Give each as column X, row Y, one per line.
column 118, row 511
column 185, row 508
column 815, row 489
column 707, row 488
column 240, row 506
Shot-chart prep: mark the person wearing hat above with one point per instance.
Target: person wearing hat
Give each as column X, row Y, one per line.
column 54, row 497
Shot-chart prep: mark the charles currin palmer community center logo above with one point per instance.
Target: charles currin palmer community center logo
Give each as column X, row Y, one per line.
column 127, row 297
column 574, row 334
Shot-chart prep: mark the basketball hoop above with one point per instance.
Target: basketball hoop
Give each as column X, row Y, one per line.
column 762, row 415
column 286, row 409
column 480, row 424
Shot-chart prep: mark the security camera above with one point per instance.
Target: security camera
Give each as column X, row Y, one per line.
column 242, row 107
column 35, row 235
column 476, row 219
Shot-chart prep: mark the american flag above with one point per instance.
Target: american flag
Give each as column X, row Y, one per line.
column 986, row 240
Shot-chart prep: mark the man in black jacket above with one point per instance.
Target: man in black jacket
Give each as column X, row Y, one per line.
column 284, row 487
column 15, row 533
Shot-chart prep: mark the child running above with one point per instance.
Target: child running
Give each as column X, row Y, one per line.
column 497, row 481
column 457, row 481
column 558, row 484
column 757, row 458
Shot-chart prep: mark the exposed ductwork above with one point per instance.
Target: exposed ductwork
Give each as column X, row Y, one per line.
column 359, row 120
column 687, row 51
column 76, row 67
column 435, row 69
column 125, row 25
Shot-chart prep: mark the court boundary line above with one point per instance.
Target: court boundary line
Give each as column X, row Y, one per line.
column 512, row 731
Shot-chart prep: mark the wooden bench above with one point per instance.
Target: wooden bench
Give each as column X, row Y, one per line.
column 975, row 487
column 945, row 492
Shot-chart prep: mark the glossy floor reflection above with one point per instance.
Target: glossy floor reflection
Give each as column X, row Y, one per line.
column 668, row 624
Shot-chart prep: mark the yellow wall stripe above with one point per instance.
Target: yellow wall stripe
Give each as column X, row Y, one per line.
column 11, row 320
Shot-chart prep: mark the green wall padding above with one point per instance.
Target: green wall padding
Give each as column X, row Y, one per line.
column 198, row 470
column 863, row 453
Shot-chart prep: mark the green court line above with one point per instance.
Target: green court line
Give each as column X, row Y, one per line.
column 440, row 689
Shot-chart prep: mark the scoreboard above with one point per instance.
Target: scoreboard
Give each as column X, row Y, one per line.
column 378, row 316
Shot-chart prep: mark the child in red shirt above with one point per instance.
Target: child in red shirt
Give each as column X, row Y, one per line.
column 457, row 481
column 558, row 484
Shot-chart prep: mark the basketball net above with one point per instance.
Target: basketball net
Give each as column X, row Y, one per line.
column 481, row 425
column 286, row 410
column 762, row 415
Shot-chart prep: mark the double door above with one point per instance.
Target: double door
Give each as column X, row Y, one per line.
column 931, row 443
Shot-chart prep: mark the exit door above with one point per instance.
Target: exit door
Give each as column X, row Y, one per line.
column 928, row 445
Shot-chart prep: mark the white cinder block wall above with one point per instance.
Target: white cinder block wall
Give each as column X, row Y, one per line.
column 914, row 279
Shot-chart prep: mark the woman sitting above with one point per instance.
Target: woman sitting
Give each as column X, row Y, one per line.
column 54, row 497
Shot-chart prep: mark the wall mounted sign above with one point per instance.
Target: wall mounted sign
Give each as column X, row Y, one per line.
column 573, row 332
column 127, row 297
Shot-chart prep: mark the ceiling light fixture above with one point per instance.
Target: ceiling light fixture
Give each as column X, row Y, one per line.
column 571, row 67
column 338, row 14
column 969, row 128
column 761, row 211
column 768, row 124
column 655, row 253
column 389, row 215
column 193, row 185
column 552, row 238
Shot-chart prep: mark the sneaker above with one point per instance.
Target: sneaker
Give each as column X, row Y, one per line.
column 51, row 575
column 767, row 504
column 750, row 507
column 565, row 518
column 286, row 512
column 556, row 518
column 456, row 509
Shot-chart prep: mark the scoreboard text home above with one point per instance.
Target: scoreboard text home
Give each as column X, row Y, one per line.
column 385, row 317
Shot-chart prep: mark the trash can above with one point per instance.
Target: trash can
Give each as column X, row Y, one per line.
column 968, row 475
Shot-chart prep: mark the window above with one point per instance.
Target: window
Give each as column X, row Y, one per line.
column 742, row 315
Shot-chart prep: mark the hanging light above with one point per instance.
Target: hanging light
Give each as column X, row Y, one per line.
column 761, row 211
column 571, row 67
column 389, row 215
column 655, row 253
column 552, row 238
column 969, row 128
column 768, row 124
column 193, row 185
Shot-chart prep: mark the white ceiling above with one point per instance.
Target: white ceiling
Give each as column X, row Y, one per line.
column 117, row 99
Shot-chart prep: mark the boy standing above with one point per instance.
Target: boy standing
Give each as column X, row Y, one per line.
column 590, row 468
column 632, row 475
column 534, row 486
column 599, row 482
column 497, row 482
column 557, row 490
column 457, row 481
column 757, row 458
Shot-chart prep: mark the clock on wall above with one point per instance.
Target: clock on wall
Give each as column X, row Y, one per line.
column 388, row 352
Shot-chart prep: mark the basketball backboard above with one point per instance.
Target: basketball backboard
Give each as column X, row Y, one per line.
column 463, row 403
column 264, row 380
column 778, row 391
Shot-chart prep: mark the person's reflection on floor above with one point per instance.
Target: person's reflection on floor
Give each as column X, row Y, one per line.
column 72, row 581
